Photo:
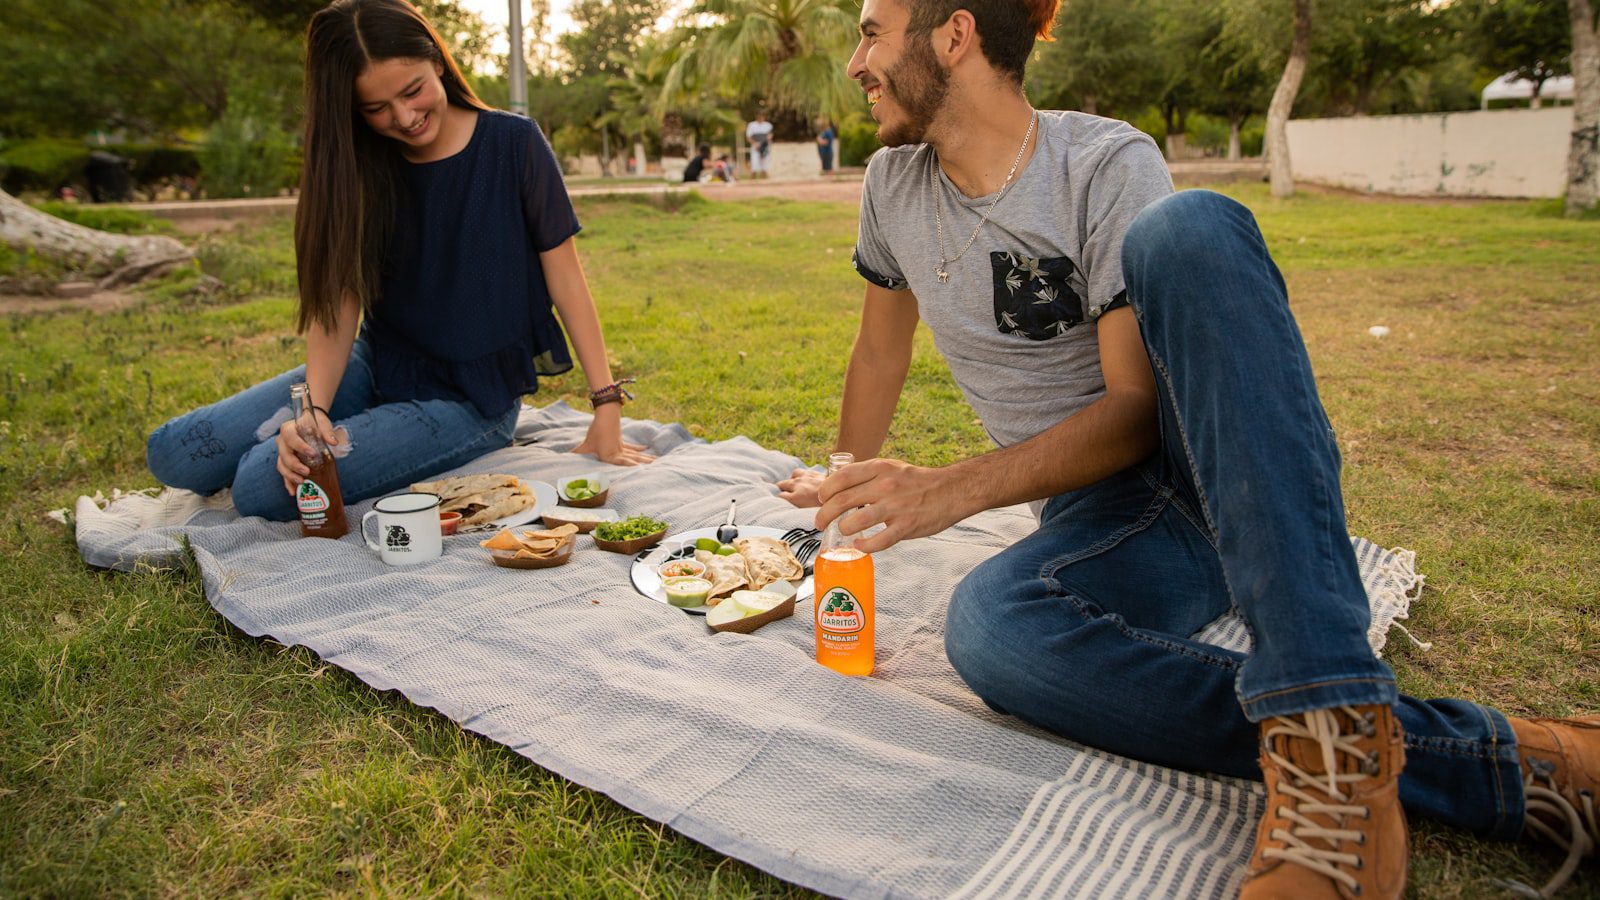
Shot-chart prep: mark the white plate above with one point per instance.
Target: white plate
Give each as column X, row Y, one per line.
column 544, row 497
column 647, row 581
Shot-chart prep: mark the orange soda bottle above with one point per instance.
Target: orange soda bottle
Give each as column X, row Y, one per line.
column 843, row 591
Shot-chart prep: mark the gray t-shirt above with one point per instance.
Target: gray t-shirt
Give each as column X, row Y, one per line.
column 1015, row 322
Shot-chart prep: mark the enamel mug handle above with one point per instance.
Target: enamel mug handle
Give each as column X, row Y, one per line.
column 364, row 519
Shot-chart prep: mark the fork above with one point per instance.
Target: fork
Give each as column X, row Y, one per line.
column 807, row 551
column 794, row 537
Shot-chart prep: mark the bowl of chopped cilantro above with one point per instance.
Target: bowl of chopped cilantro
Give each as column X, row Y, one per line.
column 629, row 535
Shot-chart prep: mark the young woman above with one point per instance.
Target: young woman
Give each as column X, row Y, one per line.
column 433, row 235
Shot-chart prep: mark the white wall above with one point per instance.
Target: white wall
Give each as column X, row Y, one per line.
column 792, row 159
column 1493, row 153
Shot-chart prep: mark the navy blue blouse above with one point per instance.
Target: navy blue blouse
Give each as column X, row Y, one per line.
column 465, row 314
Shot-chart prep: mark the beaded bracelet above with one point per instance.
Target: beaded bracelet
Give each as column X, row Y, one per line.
column 611, row 393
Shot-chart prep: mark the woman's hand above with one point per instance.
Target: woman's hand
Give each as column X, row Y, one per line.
column 604, row 440
column 293, row 451
column 800, row 488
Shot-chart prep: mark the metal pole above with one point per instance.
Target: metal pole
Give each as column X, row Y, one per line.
column 517, row 74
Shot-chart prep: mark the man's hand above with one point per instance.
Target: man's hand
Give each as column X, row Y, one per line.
column 909, row 501
column 800, row 488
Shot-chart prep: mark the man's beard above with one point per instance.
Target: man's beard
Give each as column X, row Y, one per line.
column 918, row 85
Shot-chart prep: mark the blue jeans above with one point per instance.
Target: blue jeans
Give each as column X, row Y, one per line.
column 392, row 444
column 1083, row 627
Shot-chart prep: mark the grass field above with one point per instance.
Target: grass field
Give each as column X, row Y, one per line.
column 150, row 748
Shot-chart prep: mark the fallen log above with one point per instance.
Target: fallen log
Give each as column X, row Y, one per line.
column 113, row 260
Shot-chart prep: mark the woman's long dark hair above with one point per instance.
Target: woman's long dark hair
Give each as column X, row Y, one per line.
column 351, row 173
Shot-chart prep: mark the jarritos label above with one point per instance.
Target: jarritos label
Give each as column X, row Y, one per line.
column 840, row 613
column 312, row 499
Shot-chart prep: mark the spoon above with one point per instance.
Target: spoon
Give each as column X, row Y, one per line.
column 728, row 532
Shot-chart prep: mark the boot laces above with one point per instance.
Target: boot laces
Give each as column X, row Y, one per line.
column 1581, row 832
column 1302, row 794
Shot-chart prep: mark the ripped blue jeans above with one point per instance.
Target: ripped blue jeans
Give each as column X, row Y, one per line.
column 232, row 443
column 1084, row 626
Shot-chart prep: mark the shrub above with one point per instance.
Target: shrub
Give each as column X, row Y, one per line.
column 857, row 141
column 249, row 152
column 41, row 164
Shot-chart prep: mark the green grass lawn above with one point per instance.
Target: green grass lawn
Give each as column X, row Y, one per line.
column 150, row 748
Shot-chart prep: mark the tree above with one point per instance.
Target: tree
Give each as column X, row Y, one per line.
column 119, row 258
column 787, row 54
column 608, row 34
column 1529, row 37
column 1364, row 48
column 1294, row 69
column 1229, row 80
column 152, row 68
column 1102, row 60
column 1583, row 157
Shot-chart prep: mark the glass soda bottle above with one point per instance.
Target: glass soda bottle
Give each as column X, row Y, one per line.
column 843, row 591
column 318, row 498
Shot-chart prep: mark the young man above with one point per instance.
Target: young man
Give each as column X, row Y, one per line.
column 1132, row 353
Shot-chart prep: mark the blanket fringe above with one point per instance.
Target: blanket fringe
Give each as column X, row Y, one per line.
column 1397, row 585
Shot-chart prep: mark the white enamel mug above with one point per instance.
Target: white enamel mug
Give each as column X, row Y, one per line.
column 408, row 528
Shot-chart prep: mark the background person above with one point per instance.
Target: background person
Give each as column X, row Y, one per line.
column 1132, row 353
column 695, row 171
column 825, row 142
column 759, row 134
column 432, row 235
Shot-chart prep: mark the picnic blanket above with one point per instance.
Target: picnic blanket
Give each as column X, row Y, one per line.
column 899, row 785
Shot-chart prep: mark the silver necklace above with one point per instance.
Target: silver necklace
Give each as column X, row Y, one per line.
column 938, row 220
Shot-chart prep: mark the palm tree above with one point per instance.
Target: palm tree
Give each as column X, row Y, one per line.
column 789, row 54
column 633, row 99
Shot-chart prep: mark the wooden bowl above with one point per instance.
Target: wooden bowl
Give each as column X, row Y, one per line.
column 508, row 559
column 554, row 519
column 750, row 623
column 633, row 545
column 598, row 499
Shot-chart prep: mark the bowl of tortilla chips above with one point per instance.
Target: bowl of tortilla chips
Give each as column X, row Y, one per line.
column 532, row 548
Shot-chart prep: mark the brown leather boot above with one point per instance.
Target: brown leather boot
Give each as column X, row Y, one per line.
column 1333, row 825
column 1561, row 778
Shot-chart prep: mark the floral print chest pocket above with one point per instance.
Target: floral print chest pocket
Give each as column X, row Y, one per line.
column 1032, row 297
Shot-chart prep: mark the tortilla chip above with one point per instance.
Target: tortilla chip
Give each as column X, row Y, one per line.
column 560, row 532
column 503, row 540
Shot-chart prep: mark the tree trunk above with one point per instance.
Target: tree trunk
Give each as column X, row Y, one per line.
column 1090, row 106
column 117, row 258
column 1283, row 101
column 1583, row 158
column 605, row 152
column 1234, row 152
column 638, row 155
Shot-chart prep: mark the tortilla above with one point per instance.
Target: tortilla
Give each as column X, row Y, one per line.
column 487, row 506
column 768, row 559
column 726, row 573
column 449, row 489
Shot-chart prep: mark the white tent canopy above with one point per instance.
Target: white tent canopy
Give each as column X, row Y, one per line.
column 1510, row 87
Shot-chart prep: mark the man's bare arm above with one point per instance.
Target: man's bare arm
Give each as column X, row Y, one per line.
column 1112, row 433
column 872, row 384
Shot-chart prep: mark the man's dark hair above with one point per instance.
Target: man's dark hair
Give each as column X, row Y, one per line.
column 1006, row 28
